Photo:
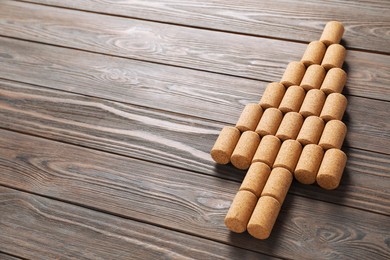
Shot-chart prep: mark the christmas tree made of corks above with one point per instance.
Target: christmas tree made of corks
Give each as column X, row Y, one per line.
column 295, row 130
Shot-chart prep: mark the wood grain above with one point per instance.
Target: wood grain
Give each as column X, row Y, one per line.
column 367, row 129
column 176, row 140
column 184, row 201
column 4, row 256
column 232, row 54
column 34, row 227
column 141, row 83
column 366, row 22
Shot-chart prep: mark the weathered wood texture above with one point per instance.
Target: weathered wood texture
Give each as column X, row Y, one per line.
column 48, row 229
column 171, row 89
column 366, row 22
column 182, row 200
column 233, row 54
column 175, row 140
column 114, row 116
column 4, row 256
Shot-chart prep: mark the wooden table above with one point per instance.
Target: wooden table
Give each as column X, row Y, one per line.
column 109, row 110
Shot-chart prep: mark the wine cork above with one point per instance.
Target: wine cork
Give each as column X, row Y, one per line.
column 264, row 217
column 293, row 74
column 331, row 169
column 249, row 118
column 334, row 57
column 268, row 149
column 225, row 144
column 245, row 149
column 308, row 164
column 269, row 122
column 333, row 135
column 272, row 95
column 334, row 81
column 313, row 78
column 288, row 155
column 278, row 183
column 255, row 178
column 332, row 33
column 290, row 126
column 313, row 103
column 334, row 107
column 240, row 211
column 314, row 53
column 311, row 130
column 292, row 100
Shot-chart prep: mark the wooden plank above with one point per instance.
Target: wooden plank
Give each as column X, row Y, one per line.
column 141, row 83
column 175, row 140
column 244, row 56
column 4, row 256
column 34, row 227
column 366, row 22
column 367, row 127
column 184, row 201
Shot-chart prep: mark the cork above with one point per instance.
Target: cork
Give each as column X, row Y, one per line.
column 225, row 144
column 255, row 178
column 331, row 169
column 278, row 183
column 333, row 135
column 313, row 78
column 313, row 103
column 245, row 149
column 334, row 81
column 332, row 33
column 288, row 155
column 292, row 100
column 272, row 95
column 249, row 118
column 311, row 130
column 269, row 122
column 268, row 149
column 264, row 217
column 240, row 211
column 293, row 74
column 314, row 53
column 308, row 164
column 334, row 107
column 290, row 126
column 334, row 57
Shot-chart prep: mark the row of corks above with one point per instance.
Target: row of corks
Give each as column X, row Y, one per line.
column 294, row 131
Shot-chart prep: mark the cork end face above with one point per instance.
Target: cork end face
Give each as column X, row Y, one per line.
column 287, row 83
column 307, row 87
column 263, row 132
column 243, row 128
column 327, row 118
column 307, row 63
column 304, row 177
column 258, row 231
column 328, row 91
column 304, row 141
column 327, row 181
column 307, row 113
column 240, row 162
column 235, row 225
column 220, row 156
column 327, row 42
column 265, row 105
column 284, row 137
column 326, row 146
column 328, row 66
